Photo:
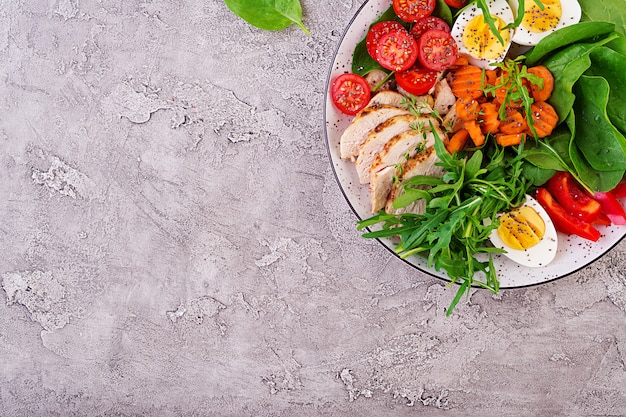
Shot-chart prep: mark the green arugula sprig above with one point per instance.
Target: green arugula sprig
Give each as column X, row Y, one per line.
column 512, row 80
column 452, row 232
column 491, row 21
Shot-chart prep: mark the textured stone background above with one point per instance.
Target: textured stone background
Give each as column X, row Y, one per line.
column 174, row 242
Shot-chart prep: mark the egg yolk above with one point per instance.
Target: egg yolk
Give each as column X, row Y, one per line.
column 522, row 228
column 539, row 21
column 479, row 40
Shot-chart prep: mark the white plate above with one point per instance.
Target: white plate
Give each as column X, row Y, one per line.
column 574, row 252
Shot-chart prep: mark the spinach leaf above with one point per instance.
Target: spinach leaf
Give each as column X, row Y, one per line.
column 562, row 98
column 443, row 11
column 567, row 65
column 268, row 14
column 613, row 11
column 566, row 36
column 611, row 66
column 602, row 145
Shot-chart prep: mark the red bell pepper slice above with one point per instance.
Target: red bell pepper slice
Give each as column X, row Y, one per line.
column 563, row 221
column 611, row 207
column 619, row 191
column 565, row 189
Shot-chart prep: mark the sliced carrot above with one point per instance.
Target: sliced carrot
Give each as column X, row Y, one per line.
column 466, row 108
column 458, row 141
column 544, row 118
column 488, row 117
column 466, row 82
column 474, row 131
column 491, row 76
column 509, row 140
column 542, row 93
column 514, row 122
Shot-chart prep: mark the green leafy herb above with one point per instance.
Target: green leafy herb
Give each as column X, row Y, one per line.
column 613, row 11
column 568, row 35
column 269, row 14
column 452, row 233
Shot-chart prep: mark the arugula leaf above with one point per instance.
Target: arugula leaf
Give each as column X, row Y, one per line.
column 269, row 14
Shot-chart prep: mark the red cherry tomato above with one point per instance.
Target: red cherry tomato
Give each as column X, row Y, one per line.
column 428, row 23
column 416, row 80
column 376, row 31
column 457, row 4
column 396, row 51
column 437, row 50
column 350, row 93
column 413, row 10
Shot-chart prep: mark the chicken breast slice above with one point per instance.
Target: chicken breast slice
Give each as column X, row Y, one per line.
column 444, row 98
column 422, row 163
column 392, row 156
column 388, row 97
column 377, row 139
column 368, row 119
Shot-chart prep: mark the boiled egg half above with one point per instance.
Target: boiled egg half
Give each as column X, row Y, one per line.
column 541, row 20
column 527, row 235
column 474, row 37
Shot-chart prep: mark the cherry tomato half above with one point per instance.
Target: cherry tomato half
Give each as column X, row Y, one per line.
column 416, row 80
column 413, row 10
column 350, row 93
column 428, row 23
column 397, row 51
column 437, row 50
column 376, row 31
column 457, row 4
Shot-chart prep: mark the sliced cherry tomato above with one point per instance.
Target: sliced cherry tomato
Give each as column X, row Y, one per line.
column 413, row 10
column 416, row 80
column 611, row 207
column 350, row 93
column 457, row 4
column 619, row 191
column 376, row 31
column 572, row 197
column 428, row 23
column 396, row 51
column 563, row 221
column 437, row 50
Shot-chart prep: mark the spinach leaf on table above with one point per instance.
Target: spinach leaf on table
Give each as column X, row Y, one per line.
column 269, row 14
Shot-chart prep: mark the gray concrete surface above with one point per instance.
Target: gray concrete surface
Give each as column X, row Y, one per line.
column 174, row 242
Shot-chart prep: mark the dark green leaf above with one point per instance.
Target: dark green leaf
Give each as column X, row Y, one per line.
column 567, row 36
column 268, row 14
column 603, row 146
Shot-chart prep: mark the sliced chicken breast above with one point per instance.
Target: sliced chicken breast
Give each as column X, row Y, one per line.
column 422, row 163
column 357, row 132
column 444, row 98
column 380, row 186
column 388, row 97
column 377, row 139
column 394, row 154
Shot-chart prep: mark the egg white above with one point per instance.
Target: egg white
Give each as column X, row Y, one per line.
column 498, row 8
column 570, row 14
column 536, row 256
